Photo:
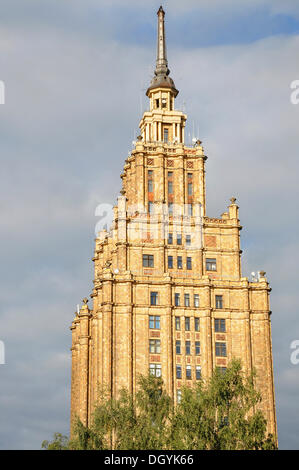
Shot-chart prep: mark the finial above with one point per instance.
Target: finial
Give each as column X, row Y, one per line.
column 161, row 78
column 233, row 200
column 85, row 300
column 262, row 273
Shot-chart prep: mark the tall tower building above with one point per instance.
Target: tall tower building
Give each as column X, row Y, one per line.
column 168, row 294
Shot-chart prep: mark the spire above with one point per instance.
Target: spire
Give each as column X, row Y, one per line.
column 161, row 78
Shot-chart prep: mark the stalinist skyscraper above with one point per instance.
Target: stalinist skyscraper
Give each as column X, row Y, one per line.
column 169, row 296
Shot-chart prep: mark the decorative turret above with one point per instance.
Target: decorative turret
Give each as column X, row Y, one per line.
column 162, row 123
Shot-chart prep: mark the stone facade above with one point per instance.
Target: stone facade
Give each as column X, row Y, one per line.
column 168, row 292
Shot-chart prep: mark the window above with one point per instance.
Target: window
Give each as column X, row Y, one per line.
column 220, row 325
column 177, row 323
column 157, row 103
column 180, row 262
column 170, row 239
column 150, row 184
column 170, row 187
column 187, row 300
column 178, row 372
column 188, row 348
column 197, row 348
column 154, row 346
column 211, row 264
column 170, row 262
column 179, row 395
column 188, row 240
column 189, row 176
column 150, row 207
column 179, row 238
column 148, row 261
column 154, row 322
column 177, row 300
column 221, row 370
column 178, row 347
column 164, row 102
column 187, row 323
column 221, row 349
column 219, row 301
column 155, row 369
column 198, row 372
column 166, row 132
column 190, row 209
column 169, row 174
column 196, row 300
column 170, row 208
column 188, row 372
column 196, row 324
column 189, row 262
column 189, row 189
column 154, row 298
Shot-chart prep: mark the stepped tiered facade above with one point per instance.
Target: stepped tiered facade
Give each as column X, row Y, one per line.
column 168, row 295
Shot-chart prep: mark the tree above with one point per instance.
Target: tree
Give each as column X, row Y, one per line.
column 221, row 414
column 217, row 414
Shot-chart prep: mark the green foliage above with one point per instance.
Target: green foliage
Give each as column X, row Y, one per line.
column 219, row 414
column 59, row 442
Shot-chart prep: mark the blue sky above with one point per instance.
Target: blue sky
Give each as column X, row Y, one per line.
column 75, row 74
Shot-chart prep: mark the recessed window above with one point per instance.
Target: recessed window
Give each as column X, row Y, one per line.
column 150, row 207
column 164, row 102
column 189, row 263
column 220, row 349
column 190, row 189
column 179, row 239
column 156, row 103
column 196, row 300
column 190, row 209
column 198, row 372
column 170, row 239
column 187, row 300
column 188, row 348
column 166, row 135
column 188, row 240
column 178, row 347
column 177, row 299
column 150, row 186
column 220, row 325
column 188, row 372
column 154, row 322
column 154, row 346
column 179, row 395
column 221, row 370
column 219, row 301
column 155, row 370
column 170, row 262
column 177, row 323
column 187, row 323
column 170, row 208
column 178, row 372
column 211, row 264
column 180, row 262
column 148, row 261
column 197, row 324
column 197, row 348
column 170, row 187
column 154, row 298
